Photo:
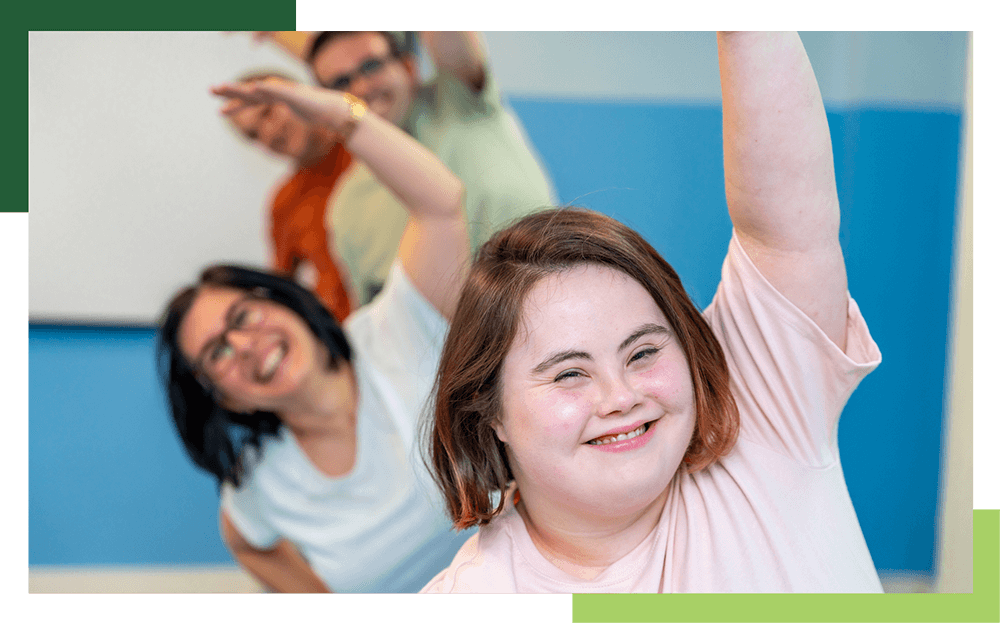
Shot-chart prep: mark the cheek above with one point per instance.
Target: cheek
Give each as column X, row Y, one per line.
column 550, row 416
column 669, row 381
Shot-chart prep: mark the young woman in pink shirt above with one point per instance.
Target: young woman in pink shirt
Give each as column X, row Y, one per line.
column 606, row 436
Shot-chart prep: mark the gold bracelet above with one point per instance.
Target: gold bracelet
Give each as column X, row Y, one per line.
column 357, row 109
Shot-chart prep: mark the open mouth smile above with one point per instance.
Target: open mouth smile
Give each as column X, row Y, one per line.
column 632, row 434
column 269, row 366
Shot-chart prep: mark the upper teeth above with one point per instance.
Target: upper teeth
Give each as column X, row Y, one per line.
column 272, row 361
column 620, row 437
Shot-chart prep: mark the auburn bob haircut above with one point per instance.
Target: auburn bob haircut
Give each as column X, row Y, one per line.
column 465, row 457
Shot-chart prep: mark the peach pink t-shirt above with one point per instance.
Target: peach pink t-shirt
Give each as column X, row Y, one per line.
column 774, row 515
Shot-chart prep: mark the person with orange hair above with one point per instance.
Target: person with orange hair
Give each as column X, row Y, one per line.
column 299, row 237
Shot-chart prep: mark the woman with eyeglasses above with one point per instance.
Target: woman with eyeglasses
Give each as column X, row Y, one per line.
column 307, row 425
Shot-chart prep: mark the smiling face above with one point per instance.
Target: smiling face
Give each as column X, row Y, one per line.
column 255, row 352
column 598, row 402
column 388, row 91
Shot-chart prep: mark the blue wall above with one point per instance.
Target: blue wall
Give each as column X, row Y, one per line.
column 109, row 483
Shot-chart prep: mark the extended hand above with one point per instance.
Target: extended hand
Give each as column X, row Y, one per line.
column 314, row 105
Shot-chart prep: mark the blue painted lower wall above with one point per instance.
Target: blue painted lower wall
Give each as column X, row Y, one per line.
column 110, row 485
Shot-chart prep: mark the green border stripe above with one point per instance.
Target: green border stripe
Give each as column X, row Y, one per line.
column 983, row 604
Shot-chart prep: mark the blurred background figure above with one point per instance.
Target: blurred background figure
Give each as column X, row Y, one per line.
column 307, row 424
column 299, row 238
column 458, row 114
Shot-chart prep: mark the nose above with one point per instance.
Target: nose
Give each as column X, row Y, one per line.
column 271, row 133
column 360, row 86
column 240, row 339
column 619, row 396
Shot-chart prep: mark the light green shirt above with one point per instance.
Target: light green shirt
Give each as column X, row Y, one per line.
column 480, row 140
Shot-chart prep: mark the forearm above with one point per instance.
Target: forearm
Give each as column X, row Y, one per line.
column 780, row 183
column 282, row 569
column 459, row 53
column 423, row 184
column 434, row 249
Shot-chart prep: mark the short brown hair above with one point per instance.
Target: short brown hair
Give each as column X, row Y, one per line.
column 466, row 459
column 323, row 38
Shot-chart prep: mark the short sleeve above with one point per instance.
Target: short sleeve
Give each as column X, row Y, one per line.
column 790, row 380
column 403, row 317
column 243, row 506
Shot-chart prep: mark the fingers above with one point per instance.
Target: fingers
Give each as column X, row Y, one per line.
column 230, row 90
column 240, row 96
column 233, row 107
column 307, row 102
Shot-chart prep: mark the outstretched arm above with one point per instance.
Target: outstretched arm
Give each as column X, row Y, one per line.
column 434, row 249
column 458, row 53
column 780, row 183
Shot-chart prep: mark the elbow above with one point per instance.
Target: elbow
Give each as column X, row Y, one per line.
column 232, row 538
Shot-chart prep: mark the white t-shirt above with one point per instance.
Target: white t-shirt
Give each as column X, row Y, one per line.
column 774, row 515
column 381, row 527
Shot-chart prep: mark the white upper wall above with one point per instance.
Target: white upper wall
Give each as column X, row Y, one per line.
column 135, row 183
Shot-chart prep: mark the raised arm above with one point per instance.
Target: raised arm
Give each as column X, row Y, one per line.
column 780, row 183
column 458, row 53
column 434, row 250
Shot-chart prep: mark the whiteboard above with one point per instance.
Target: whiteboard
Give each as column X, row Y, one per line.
column 135, row 182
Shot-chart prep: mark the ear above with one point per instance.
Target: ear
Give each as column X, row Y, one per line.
column 412, row 69
column 500, row 431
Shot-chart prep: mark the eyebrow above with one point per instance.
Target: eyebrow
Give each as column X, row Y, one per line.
column 646, row 329
column 559, row 358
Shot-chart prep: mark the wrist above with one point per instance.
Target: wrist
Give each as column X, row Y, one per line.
column 356, row 110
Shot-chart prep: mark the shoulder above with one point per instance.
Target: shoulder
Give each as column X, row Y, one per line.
column 789, row 379
column 746, row 297
column 485, row 563
column 399, row 334
column 398, row 307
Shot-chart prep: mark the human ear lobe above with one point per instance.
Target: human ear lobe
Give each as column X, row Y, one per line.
column 499, row 430
column 410, row 65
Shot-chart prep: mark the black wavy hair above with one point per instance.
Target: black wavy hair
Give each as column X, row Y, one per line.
column 215, row 437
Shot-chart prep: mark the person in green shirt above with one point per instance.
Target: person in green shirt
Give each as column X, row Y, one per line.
column 458, row 114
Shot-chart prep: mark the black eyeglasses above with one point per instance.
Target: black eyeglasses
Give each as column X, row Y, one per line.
column 368, row 67
column 217, row 356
